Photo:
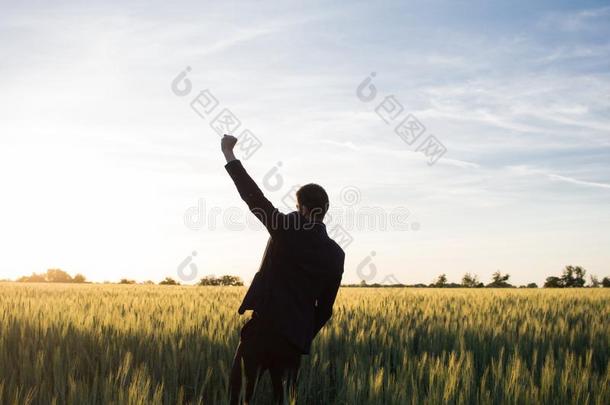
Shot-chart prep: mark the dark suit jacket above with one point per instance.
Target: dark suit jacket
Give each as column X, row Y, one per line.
column 300, row 274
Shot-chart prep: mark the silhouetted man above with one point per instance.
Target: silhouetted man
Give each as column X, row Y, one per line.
column 293, row 292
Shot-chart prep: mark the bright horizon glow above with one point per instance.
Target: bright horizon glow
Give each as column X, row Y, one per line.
column 100, row 160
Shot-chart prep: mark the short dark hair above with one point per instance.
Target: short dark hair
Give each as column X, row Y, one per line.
column 314, row 197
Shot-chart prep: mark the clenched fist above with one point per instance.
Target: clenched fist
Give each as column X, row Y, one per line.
column 227, row 143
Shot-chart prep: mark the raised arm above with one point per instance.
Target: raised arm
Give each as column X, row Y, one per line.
column 260, row 206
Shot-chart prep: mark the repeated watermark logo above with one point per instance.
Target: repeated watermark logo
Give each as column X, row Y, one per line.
column 340, row 221
column 340, row 235
column 273, row 179
column 351, row 215
column 367, row 272
column 406, row 125
column 350, row 195
column 221, row 119
column 187, row 269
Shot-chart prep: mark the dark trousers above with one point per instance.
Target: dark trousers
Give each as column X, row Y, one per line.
column 261, row 349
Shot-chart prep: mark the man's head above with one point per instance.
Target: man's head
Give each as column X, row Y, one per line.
column 312, row 201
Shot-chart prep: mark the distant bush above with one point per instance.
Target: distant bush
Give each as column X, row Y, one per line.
column 572, row 277
column 499, row 280
column 224, row 280
column 169, row 281
column 471, row 281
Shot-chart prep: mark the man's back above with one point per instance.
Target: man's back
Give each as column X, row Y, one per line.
column 301, row 270
column 293, row 292
column 301, row 273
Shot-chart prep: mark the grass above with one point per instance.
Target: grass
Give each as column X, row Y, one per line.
column 133, row 344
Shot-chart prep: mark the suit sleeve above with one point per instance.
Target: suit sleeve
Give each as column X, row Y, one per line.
column 326, row 300
column 252, row 195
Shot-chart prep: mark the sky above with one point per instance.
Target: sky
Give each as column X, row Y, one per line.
column 107, row 167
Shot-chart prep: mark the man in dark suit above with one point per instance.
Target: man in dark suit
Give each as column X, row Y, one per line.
column 293, row 292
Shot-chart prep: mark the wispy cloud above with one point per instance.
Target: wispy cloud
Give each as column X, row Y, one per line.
column 521, row 170
column 578, row 182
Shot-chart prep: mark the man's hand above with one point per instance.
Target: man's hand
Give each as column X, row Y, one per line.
column 227, row 143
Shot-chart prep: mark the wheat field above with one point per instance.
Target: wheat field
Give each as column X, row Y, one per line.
column 135, row 344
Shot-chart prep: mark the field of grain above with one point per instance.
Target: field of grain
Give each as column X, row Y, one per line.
column 134, row 344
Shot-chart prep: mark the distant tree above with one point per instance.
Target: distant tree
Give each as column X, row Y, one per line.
column 499, row 280
column 567, row 277
column 470, row 280
column 606, row 282
column 553, row 282
column 226, row 280
column 579, row 276
column 127, row 281
column 148, row 282
column 441, row 281
column 231, row 281
column 58, row 276
column 573, row 276
column 209, row 280
column 79, row 278
column 51, row 276
column 532, row 285
column 34, row 278
column 169, row 281
column 498, row 277
column 594, row 281
column 363, row 283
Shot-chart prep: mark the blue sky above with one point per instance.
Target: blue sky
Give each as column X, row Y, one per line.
column 101, row 160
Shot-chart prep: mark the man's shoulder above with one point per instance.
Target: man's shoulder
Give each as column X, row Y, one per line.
column 337, row 248
column 338, row 255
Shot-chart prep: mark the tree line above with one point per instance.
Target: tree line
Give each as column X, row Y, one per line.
column 226, row 280
column 60, row 276
column 571, row 277
column 53, row 276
